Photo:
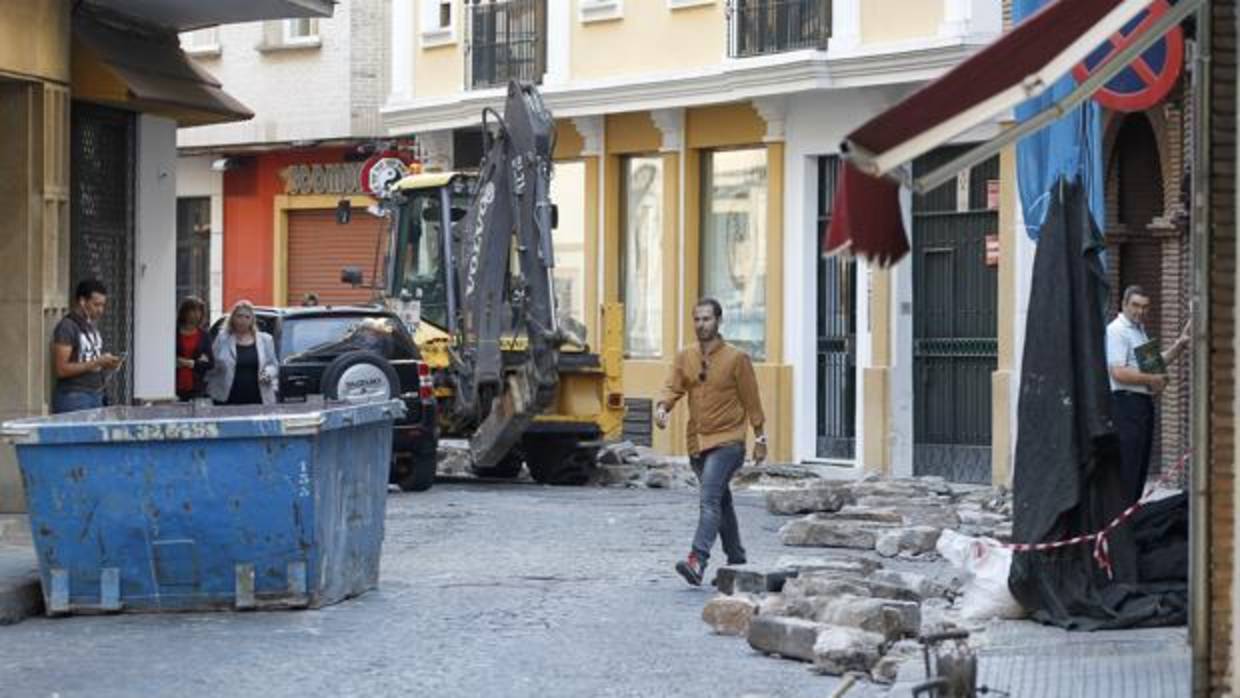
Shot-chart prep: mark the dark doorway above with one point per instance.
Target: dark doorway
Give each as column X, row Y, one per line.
column 194, row 249
column 955, row 328
column 102, row 229
column 837, row 333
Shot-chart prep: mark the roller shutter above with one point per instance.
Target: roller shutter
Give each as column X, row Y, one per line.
column 318, row 249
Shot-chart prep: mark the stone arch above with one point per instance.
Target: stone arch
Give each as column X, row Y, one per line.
column 1167, row 121
column 1133, row 145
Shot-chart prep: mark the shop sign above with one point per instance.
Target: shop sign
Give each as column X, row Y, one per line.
column 381, row 171
column 992, row 194
column 323, row 178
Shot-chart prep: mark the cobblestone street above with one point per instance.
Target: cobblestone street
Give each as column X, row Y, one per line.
column 524, row 590
column 501, row 590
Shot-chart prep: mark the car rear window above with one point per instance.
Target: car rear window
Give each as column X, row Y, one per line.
column 306, row 333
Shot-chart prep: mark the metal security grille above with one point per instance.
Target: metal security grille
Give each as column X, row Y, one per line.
column 102, row 237
column 194, row 249
column 955, row 335
column 506, row 42
column 759, row 27
column 837, row 333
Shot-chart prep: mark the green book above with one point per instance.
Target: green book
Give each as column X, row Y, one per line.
column 1149, row 358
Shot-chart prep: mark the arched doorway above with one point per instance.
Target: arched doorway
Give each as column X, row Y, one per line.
column 1147, row 248
column 1135, row 181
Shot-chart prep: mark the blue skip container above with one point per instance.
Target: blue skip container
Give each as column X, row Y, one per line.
column 193, row 508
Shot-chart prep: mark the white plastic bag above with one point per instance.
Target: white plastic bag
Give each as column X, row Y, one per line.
column 985, row 564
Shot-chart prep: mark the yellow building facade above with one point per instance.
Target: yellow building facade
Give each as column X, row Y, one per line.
column 34, row 193
column 693, row 137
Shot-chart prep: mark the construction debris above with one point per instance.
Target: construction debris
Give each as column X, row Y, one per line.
column 841, row 609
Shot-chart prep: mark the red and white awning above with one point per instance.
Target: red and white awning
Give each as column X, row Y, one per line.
column 1018, row 66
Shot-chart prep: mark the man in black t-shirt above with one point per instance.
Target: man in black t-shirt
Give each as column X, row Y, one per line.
column 77, row 352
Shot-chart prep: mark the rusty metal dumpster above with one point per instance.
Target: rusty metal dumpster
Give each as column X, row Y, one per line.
column 191, row 507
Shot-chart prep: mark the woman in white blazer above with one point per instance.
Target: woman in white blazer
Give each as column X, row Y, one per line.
column 246, row 370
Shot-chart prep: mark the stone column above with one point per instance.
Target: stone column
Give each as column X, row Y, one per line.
column 34, row 254
column 402, row 35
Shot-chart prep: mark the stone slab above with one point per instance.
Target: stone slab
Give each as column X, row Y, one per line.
column 842, row 649
column 792, row 638
column 813, row 532
column 730, row 615
column 819, row 496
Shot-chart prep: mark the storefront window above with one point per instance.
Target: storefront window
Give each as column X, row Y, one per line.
column 642, row 261
column 568, row 191
column 734, row 193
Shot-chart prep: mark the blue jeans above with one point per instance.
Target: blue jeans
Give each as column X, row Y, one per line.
column 716, row 515
column 74, row 400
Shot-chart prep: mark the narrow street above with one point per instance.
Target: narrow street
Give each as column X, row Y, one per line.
column 487, row 590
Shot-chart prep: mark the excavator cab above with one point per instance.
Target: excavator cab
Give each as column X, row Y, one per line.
column 427, row 208
column 424, row 284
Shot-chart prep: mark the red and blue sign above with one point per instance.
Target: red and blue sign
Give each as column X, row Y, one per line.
column 1147, row 79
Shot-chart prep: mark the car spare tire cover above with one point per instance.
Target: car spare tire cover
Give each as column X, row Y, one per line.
column 360, row 376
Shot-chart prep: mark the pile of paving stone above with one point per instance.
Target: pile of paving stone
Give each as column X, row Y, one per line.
column 844, row 608
column 896, row 518
column 625, row 464
column 621, row 464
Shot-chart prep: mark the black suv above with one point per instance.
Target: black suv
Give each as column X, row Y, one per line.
column 353, row 354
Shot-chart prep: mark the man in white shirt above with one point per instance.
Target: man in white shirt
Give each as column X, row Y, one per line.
column 1133, row 390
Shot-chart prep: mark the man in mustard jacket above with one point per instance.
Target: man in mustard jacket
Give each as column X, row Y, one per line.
column 723, row 396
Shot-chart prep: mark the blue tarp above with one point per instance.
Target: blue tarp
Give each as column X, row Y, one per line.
column 1070, row 147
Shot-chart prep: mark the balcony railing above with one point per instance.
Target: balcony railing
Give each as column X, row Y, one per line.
column 763, row 27
column 506, row 42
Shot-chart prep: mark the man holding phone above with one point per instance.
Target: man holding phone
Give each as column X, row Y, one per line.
column 79, row 361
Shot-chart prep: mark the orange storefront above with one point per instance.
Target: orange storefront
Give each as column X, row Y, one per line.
column 281, row 240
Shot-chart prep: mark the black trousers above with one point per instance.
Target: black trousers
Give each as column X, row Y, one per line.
column 1134, row 420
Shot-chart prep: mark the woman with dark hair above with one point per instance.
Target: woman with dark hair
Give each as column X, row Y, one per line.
column 246, row 368
column 193, row 349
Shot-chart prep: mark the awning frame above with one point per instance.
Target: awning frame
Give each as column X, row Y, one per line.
column 891, row 164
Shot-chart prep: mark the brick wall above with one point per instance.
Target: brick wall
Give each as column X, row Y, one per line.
column 1222, row 280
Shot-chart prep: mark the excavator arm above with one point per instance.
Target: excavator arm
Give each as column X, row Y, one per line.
column 511, row 216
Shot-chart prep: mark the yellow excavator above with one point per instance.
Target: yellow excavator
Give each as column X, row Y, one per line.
column 469, row 268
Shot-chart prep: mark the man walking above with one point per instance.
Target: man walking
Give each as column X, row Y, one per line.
column 77, row 352
column 1133, row 390
column 723, row 397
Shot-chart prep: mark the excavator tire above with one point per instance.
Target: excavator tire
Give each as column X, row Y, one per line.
column 558, row 460
column 508, row 468
column 414, row 472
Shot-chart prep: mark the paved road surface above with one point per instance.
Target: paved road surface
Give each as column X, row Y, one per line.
column 487, row 590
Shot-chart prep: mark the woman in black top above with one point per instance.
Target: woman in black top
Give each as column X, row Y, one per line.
column 246, row 367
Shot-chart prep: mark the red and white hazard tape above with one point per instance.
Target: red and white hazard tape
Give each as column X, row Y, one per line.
column 1101, row 550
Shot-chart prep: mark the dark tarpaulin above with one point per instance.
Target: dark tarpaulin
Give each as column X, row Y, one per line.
column 1067, row 476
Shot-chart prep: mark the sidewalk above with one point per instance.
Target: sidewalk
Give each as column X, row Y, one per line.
column 1027, row 659
column 20, row 595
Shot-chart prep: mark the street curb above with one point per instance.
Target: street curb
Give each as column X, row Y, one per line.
column 20, row 598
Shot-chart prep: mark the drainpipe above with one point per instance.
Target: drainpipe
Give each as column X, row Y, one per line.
column 1199, row 473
